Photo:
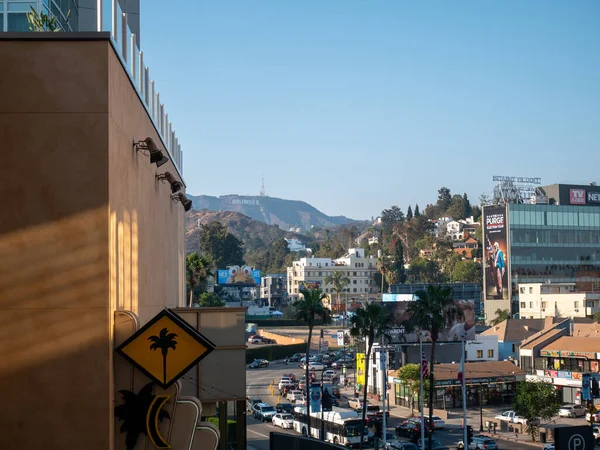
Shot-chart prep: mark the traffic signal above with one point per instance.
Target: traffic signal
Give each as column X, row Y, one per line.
column 595, row 390
column 469, row 435
column 322, row 334
column 327, row 401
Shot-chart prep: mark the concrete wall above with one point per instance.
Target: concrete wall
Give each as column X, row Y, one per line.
column 84, row 230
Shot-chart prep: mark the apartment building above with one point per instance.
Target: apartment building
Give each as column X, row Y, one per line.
column 539, row 300
column 311, row 272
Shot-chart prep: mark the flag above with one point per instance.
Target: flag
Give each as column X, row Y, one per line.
column 460, row 377
column 424, row 365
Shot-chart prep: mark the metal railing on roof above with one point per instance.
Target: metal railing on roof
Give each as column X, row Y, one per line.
column 110, row 17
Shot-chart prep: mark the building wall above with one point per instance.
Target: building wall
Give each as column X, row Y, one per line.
column 67, row 250
column 486, row 345
column 505, row 350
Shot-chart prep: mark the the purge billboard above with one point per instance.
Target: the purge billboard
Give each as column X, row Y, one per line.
column 495, row 237
column 243, row 275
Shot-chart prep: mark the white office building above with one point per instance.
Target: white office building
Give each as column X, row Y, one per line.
column 539, row 300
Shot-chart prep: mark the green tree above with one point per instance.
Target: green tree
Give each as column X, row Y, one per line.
column 409, row 213
column 368, row 323
column 596, row 316
column 444, row 199
column 197, row 270
column 536, row 401
column 432, row 311
column 339, row 281
column 456, row 209
column 468, row 208
column 383, row 266
column 424, row 271
column 501, row 316
column 221, row 246
column 417, row 212
column 210, row 299
column 164, row 341
column 391, row 217
column 410, row 375
column 308, row 309
column 476, row 212
column 397, row 266
column 467, row 272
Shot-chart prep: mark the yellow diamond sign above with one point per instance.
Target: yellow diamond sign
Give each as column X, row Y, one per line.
column 165, row 348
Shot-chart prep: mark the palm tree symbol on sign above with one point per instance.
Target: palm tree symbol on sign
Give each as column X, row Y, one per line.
column 164, row 341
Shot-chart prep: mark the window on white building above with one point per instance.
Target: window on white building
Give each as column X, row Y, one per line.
column 531, row 290
column 490, row 353
column 531, row 305
column 480, row 353
column 523, row 305
column 522, row 290
column 576, row 304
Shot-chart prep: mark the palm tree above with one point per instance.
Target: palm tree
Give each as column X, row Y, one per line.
column 133, row 412
column 383, row 265
column 339, row 281
column 433, row 310
column 164, row 341
column 307, row 309
column 501, row 316
column 368, row 323
column 197, row 270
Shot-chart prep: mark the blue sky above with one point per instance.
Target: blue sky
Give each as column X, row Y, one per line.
column 355, row 105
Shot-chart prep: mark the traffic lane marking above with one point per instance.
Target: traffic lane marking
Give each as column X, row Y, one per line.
column 260, row 434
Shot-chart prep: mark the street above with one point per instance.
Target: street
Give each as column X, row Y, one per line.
column 258, row 381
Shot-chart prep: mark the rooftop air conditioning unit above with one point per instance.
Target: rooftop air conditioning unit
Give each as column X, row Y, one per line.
column 576, row 310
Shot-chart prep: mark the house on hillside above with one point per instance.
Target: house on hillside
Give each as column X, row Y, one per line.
column 466, row 247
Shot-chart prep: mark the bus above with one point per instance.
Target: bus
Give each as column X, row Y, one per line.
column 341, row 426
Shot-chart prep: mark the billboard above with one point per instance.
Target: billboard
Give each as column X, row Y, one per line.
column 243, row 275
column 309, row 285
column 496, row 262
column 453, row 331
column 360, row 369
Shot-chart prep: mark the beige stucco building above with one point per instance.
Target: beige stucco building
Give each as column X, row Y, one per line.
column 91, row 248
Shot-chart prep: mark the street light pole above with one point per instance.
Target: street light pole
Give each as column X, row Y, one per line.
column 481, row 408
column 322, row 409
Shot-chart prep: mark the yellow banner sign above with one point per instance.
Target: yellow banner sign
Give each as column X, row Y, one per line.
column 360, row 369
column 165, row 348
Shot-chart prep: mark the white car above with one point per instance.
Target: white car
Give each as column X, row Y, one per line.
column 316, row 366
column 283, row 420
column 330, row 373
column 571, row 411
column 549, row 447
column 301, row 401
column 438, row 423
column 292, row 396
column 285, row 381
column 595, row 416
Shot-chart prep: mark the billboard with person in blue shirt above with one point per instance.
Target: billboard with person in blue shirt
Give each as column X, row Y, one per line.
column 241, row 275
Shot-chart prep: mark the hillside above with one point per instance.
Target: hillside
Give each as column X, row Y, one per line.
column 255, row 234
column 270, row 210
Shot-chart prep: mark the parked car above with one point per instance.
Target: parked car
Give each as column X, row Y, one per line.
column 256, row 339
column 480, row 442
column 596, row 433
column 411, row 429
column 438, row 423
column 263, row 412
column 284, row 381
column 511, row 416
column 301, row 401
column 268, row 341
column 291, row 376
column 250, row 402
column 595, row 416
column 258, row 363
column 571, row 411
column 296, row 357
column 284, row 408
column 549, row 447
column 283, row 420
column 329, row 373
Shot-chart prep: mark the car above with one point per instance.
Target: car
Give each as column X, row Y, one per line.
column 595, row 416
column 330, row 373
column 397, row 444
column 438, row 423
column 571, row 411
column 258, row 363
column 411, row 429
column 268, row 341
column 316, row 366
column 301, row 401
column 480, row 442
column 435, row 444
column 284, row 408
column 356, row 403
column 250, row 402
column 296, row 357
column 256, row 339
column 283, row 420
column 284, row 381
column 291, row 376
column 292, row 396
column 596, row 433
column 549, row 447
column 263, row 412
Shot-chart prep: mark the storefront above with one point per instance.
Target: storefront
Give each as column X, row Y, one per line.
column 490, row 383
